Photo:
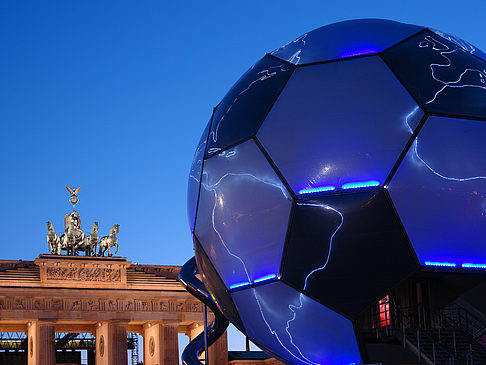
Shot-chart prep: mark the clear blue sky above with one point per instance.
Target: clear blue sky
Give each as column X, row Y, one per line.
column 114, row 95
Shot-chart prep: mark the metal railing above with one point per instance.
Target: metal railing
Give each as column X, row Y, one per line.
column 452, row 336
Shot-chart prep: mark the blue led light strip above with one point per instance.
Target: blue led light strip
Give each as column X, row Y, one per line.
column 358, row 52
column 317, row 190
column 473, row 266
column 256, row 281
column 352, row 185
column 239, row 285
column 440, row 264
column 361, row 184
column 265, row 278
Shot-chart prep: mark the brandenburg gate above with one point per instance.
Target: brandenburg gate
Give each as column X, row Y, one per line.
column 105, row 296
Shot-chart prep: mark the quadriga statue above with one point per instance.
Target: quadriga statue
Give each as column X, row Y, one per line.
column 109, row 241
column 53, row 240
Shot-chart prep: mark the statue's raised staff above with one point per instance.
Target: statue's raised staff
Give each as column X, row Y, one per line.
column 109, row 241
column 53, row 240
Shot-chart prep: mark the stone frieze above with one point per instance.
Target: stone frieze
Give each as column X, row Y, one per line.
column 98, row 305
column 84, row 274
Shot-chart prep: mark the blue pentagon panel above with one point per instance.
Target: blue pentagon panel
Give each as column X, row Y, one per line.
column 347, row 250
column 442, row 76
column 215, row 286
column 244, row 107
column 195, row 177
column 465, row 45
column 339, row 123
column 439, row 191
column 296, row 327
column 345, row 39
column 243, row 214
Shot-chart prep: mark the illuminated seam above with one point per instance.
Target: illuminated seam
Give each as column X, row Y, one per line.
column 239, row 285
column 317, row 190
column 474, row 266
column 358, row 52
column 444, row 50
column 440, row 264
column 265, row 74
column 360, row 185
column 265, row 278
column 347, row 186
column 294, row 308
column 256, row 281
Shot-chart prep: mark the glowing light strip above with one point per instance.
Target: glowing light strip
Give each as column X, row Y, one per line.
column 352, row 185
column 239, row 285
column 440, row 264
column 317, row 190
column 265, row 278
column 259, row 280
column 359, row 185
column 358, row 52
column 474, row 266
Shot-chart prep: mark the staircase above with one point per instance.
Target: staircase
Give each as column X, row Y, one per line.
column 426, row 348
column 452, row 336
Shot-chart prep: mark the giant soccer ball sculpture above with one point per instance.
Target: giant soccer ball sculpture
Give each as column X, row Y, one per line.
column 336, row 167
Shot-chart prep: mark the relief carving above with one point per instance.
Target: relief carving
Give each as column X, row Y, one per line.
column 129, row 306
column 75, row 305
column 38, row 304
column 19, row 304
column 146, row 306
column 83, row 274
column 92, row 305
column 57, row 304
column 196, row 307
column 180, row 307
column 111, row 305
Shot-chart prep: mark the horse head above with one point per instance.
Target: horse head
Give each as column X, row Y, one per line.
column 50, row 227
column 115, row 229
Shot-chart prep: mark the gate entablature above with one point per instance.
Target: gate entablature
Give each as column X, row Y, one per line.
column 82, row 271
column 106, row 296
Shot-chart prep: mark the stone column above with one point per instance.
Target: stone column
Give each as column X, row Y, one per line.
column 218, row 351
column 111, row 343
column 194, row 330
column 41, row 343
column 160, row 344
